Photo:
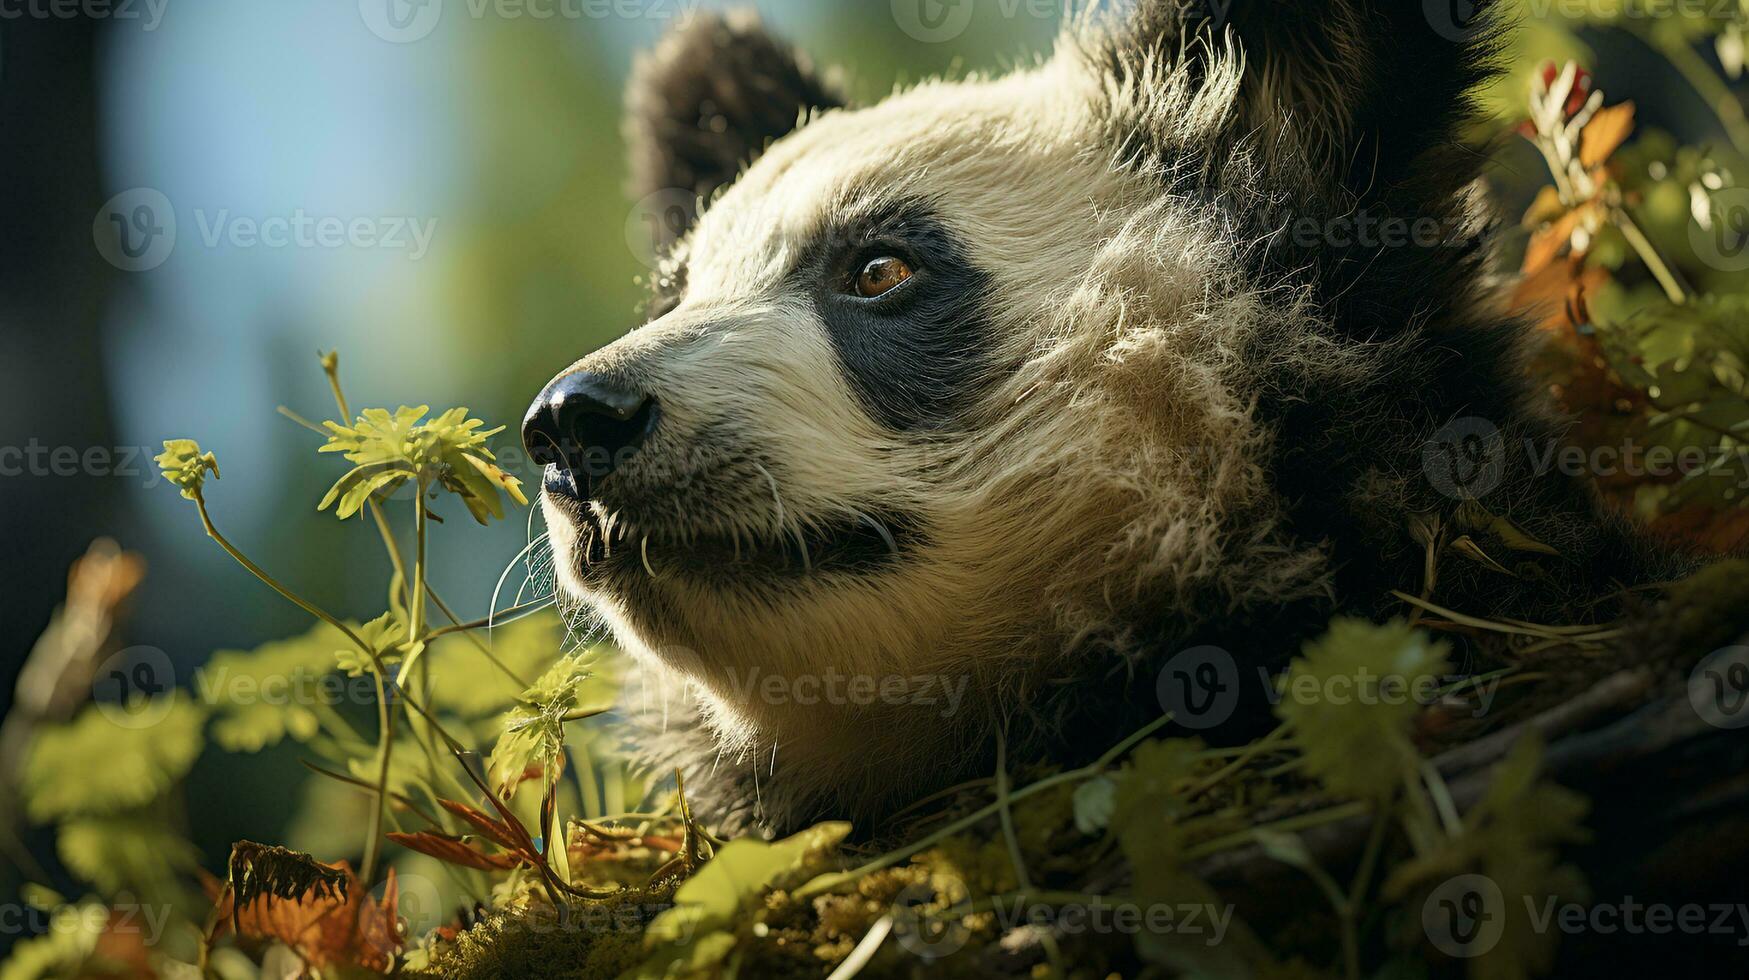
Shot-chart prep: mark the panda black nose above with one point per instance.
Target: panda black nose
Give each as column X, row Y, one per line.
column 587, row 426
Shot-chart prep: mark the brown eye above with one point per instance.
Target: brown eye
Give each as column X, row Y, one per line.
column 881, row 276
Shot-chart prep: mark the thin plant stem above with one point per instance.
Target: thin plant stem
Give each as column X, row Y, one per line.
column 273, row 583
column 497, row 619
column 1317, row 818
column 1251, row 751
column 331, row 368
column 1649, row 255
column 417, row 637
column 828, row 882
column 406, row 801
column 1710, row 87
column 466, row 629
column 1021, row 878
column 385, row 749
column 416, row 603
column 385, row 720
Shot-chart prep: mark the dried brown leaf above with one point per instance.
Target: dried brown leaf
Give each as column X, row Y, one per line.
column 1605, row 134
column 454, row 850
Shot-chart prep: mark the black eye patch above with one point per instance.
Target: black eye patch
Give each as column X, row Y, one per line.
column 916, row 356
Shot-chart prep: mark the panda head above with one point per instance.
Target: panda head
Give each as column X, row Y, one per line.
column 963, row 383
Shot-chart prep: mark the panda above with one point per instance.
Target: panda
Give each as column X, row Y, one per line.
column 956, row 417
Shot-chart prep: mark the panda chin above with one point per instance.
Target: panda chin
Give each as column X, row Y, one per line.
column 633, row 555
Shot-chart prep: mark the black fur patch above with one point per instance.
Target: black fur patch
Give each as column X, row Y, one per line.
column 711, row 97
column 1363, row 89
column 1344, row 167
column 917, row 356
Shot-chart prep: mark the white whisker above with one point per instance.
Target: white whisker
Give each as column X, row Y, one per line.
column 881, row 528
column 491, row 617
column 777, row 499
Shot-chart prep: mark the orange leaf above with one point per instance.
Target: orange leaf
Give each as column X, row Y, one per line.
column 1605, row 133
column 1547, row 244
column 495, row 831
column 1554, row 298
column 1546, row 208
column 453, row 850
column 325, row 928
column 1719, row 532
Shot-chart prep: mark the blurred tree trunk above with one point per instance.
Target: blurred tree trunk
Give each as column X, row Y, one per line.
column 53, row 294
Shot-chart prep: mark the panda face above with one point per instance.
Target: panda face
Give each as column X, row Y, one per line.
column 1016, row 382
column 833, row 340
column 839, row 385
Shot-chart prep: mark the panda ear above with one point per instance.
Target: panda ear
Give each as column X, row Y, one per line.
column 1356, row 89
column 709, row 98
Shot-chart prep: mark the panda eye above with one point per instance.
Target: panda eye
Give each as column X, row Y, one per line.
column 881, row 276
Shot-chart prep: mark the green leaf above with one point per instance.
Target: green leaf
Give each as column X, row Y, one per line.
column 131, row 852
column 356, row 488
column 1350, row 700
column 463, row 682
column 534, row 731
column 94, row 766
column 448, row 451
column 478, row 482
column 263, row 696
column 1153, row 820
column 690, row 937
column 1513, row 838
column 385, row 635
column 61, row 951
column 1148, row 806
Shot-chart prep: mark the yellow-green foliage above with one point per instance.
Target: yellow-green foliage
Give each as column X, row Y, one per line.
column 1351, row 697
column 99, row 765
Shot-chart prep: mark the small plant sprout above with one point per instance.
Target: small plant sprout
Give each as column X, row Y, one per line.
column 186, row 466
column 387, row 450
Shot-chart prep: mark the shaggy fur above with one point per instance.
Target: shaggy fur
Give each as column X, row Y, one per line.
column 1194, row 422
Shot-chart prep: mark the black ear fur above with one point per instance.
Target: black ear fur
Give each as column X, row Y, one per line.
column 1360, row 88
column 709, row 98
